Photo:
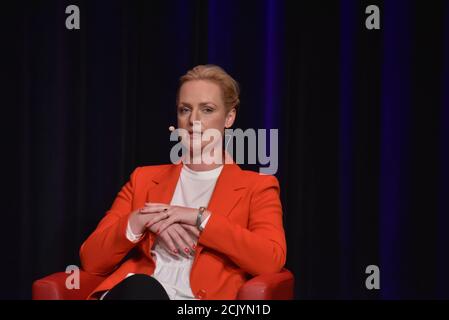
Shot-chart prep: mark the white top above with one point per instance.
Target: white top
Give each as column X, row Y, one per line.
column 194, row 189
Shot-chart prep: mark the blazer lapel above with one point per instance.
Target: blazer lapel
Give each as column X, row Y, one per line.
column 228, row 190
column 164, row 185
column 227, row 193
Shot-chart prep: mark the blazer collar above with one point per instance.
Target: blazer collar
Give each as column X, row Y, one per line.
column 226, row 194
column 162, row 186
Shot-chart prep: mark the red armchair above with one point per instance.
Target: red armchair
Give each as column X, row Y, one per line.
column 277, row 286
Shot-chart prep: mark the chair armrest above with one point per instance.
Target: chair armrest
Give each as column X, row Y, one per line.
column 274, row 286
column 53, row 287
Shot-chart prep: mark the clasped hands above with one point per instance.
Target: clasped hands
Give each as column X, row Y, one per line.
column 174, row 225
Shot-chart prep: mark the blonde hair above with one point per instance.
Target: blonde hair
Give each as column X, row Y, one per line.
column 229, row 87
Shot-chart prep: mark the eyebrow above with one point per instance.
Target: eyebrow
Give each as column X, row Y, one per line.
column 201, row 104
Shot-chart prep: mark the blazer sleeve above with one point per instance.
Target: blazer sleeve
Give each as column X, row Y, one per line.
column 105, row 248
column 260, row 248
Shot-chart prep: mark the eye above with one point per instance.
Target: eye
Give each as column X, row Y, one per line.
column 183, row 109
column 208, row 110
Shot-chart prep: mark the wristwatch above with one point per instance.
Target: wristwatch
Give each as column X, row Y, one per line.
column 199, row 218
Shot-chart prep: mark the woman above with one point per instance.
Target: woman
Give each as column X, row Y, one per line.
column 191, row 230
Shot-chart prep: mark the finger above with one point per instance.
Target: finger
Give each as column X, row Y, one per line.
column 167, row 222
column 154, row 227
column 169, row 251
column 180, row 243
column 188, row 239
column 171, row 218
column 153, row 209
column 192, row 229
column 168, row 243
column 156, row 218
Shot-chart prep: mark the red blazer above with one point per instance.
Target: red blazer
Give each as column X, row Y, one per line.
column 244, row 235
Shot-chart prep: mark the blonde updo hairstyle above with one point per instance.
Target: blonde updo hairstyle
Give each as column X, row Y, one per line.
column 229, row 87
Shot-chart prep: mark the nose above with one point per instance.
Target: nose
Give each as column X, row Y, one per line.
column 194, row 116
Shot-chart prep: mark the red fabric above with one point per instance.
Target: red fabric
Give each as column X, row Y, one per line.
column 53, row 287
column 277, row 286
column 243, row 237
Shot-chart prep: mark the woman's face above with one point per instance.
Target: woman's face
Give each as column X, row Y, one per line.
column 201, row 100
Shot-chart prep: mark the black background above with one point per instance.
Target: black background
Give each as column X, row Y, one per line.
column 362, row 118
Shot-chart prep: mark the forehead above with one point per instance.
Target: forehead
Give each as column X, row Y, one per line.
column 200, row 90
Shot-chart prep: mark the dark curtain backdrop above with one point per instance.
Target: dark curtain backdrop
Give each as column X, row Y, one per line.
column 363, row 119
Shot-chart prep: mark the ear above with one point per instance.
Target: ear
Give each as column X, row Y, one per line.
column 230, row 118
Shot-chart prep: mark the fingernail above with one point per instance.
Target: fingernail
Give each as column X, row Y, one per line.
column 186, row 250
column 175, row 251
column 194, row 247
